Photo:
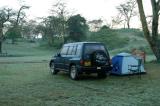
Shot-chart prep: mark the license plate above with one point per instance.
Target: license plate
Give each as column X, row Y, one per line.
column 98, row 68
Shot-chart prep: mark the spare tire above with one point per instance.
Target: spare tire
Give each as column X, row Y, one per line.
column 99, row 58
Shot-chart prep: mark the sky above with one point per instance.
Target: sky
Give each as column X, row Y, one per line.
column 90, row 9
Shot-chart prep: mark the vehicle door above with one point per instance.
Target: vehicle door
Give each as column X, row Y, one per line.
column 68, row 57
column 60, row 58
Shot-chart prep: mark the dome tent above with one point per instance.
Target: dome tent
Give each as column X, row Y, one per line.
column 125, row 63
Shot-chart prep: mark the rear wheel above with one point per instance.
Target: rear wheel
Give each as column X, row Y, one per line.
column 73, row 72
column 52, row 69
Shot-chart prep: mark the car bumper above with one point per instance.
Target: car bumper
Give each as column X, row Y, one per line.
column 94, row 69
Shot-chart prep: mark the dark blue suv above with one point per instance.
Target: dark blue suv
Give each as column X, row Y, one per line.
column 81, row 57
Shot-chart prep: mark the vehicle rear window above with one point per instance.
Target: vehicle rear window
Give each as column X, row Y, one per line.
column 90, row 48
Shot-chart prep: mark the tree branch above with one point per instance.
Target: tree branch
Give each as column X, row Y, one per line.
column 158, row 5
column 143, row 21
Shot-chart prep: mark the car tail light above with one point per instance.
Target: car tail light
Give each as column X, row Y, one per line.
column 110, row 61
column 85, row 63
column 81, row 62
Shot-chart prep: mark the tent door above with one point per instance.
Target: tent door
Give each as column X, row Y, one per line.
column 135, row 68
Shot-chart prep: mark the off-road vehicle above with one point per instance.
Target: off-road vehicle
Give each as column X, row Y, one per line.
column 81, row 57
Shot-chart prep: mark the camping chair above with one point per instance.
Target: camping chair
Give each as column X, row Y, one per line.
column 136, row 69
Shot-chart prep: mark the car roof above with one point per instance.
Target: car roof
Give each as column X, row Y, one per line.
column 68, row 44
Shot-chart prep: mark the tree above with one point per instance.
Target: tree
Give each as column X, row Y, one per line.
column 13, row 33
column 16, row 28
column 29, row 30
column 77, row 27
column 4, row 17
column 95, row 25
column 117, row 21
column 20, row 13
column 153, row 36
column 60, row 10
column 104, row 27
column 127, row 10
column 50, row 28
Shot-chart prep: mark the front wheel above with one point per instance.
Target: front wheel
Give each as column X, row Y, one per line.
column 52, row 69
column 73, row 72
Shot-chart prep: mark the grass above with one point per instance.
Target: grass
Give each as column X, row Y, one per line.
column 30, row 84
column 23, row 51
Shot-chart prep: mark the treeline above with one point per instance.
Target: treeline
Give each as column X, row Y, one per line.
column 63, row 26
column 60, row 27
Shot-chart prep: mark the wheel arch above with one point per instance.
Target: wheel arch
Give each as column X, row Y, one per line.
column 50, row 63
column 71, row 64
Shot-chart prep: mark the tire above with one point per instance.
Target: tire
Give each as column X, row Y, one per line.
column 73, row 72
column 101, row 74
column 99, row 58
column 52, row 69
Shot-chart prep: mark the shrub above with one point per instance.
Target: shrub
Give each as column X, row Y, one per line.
column 108, row 37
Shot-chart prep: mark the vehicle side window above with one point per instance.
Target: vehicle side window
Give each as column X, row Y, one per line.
column 70, row 50
column 78, row 51
column 74, row 50
column 64, row 50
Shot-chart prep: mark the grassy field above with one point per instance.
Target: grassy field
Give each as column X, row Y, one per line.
column 30, row 84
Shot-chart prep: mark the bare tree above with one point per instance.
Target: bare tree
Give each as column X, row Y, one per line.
column 151, row 36
column 20, row 13
column 17, row 21
column 60, row 10
column 117, row 21
column 29, row 30
column 127, row 10
column 5, row 14
column 95, row 24
column 52, row 27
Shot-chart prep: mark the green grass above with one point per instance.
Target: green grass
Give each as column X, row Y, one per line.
column 25, row 49
column 30, row 84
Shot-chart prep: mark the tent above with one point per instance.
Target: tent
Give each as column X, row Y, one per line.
column 125, row 63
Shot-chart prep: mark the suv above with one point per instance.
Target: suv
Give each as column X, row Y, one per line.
column 81, row 57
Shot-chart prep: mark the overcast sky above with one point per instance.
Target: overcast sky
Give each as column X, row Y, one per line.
column 90, row 9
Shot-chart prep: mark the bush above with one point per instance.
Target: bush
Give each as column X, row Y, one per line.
column 57, row 44
column 108, row 37
column 146, row 49
column 135, row 32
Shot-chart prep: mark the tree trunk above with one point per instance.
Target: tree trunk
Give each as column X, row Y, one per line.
column 143, row 21
column 152, row 40
column 156, row 51
column 128, row 24
column 155, row 43
column 50, row 41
